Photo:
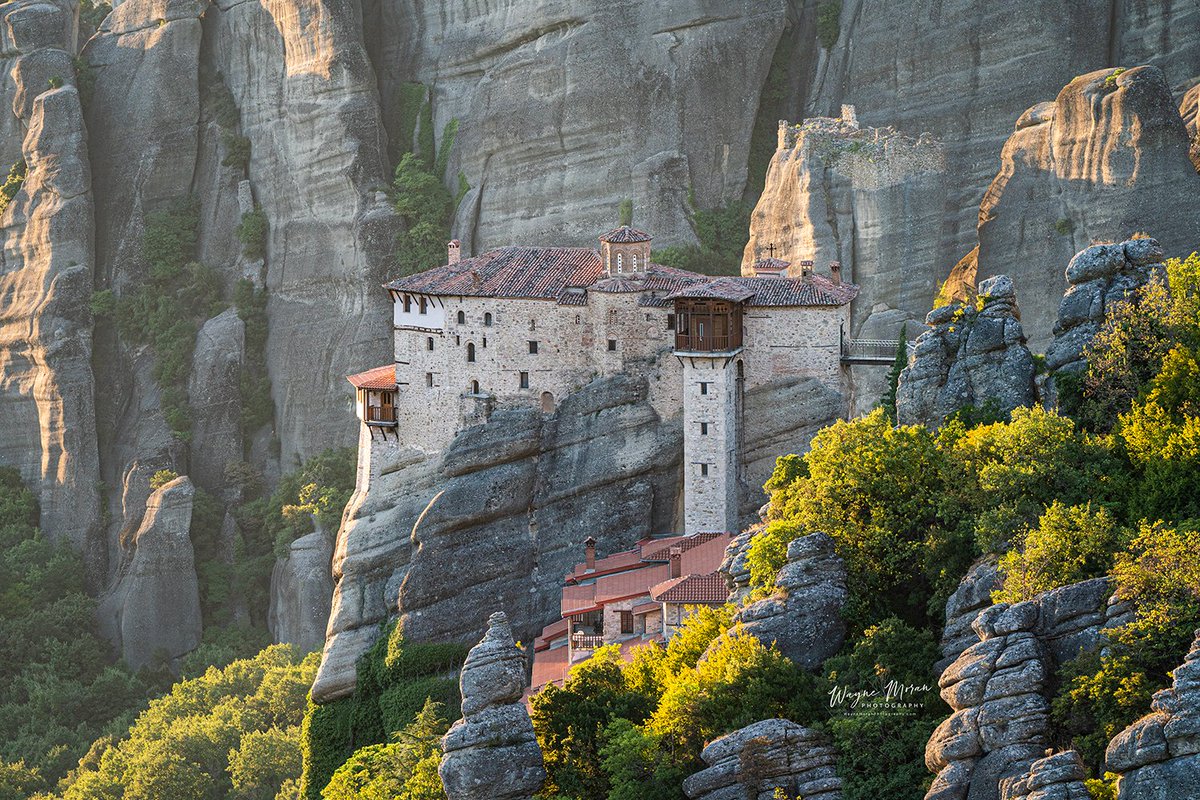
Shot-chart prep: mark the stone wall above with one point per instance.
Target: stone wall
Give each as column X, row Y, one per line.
column 712, row 403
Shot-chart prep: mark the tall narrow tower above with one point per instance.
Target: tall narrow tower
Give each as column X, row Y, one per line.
column 708, row 342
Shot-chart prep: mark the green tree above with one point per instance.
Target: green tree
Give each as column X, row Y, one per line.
column 424, row 205
column 1068, row 545
column 405, row 769
column 638, row 764
column 893, row 378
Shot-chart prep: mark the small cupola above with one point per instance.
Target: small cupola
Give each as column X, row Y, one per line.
column 625, row 251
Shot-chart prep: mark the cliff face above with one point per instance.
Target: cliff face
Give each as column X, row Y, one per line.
column 566, row 108
column 46, row 386
column 1107, row 159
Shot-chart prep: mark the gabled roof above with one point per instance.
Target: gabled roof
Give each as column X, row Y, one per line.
column 378, row 378
column 625, row 235
column 771, row 264
column 692, row 589
column 532, row 272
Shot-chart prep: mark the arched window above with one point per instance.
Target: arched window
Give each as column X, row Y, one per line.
column 462, row 318
column 547, row 403
column 635, row 262
column 487, row 319
column 620, row 262
column 470, row 351
column 474, row 387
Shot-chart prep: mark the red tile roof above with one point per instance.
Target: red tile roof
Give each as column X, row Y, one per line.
column 625, row 235
column 531, row 272
column 816, row 291
column 771, row 264
column 721, row 288
column 554, row 630
column 707, row 589
column 645, row 608
column 378, row 378
column 618, row 285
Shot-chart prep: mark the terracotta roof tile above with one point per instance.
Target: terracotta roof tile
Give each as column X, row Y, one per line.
column 377, row 378
column 531, row 272
column 625, row 235
column 693, row 589
column 771, row 264
column 721, row 288
column 816, row 291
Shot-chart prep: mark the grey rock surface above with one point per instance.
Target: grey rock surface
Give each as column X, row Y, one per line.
column 973, row 354
column 46, row 380
column 214, row 394
column 1056, row 777
column 152, row 611
column 302, row 592
column 974, row 593
column 1098, row 278
column 492, row 752
column 1109, row 159
column 1159, row 755
column 803, row 618
column 734, row 566
column 759, row 759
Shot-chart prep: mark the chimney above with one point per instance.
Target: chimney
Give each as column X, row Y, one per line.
column 806, row 269
column 453, row 251
column 676, row 560
column 835, row 272
column 589, row 554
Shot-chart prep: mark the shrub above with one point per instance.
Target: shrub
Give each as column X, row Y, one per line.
column 829, row 14
column 162, row 478
column 1068, row 545
column 12, row 184
column 405, row 769
column 1110, row 81
column 424, row 205
column 625, row 212
column 638, row 765
column 252, row 232
column 1099, row 698
column 1064, row 227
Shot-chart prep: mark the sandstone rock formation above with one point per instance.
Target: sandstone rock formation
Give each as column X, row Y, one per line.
column 214, row 393
column 1106, row 159
column 1099, row 277
column 492, row 752
column 46, row 384
column 37, row 40
column 152, row 612
column 1056, row 777
column 1159, row 755
column 998, row 689
column 499, row 510
column 803, row 618
column 302, row 591
column 973, row 354
column 974, row 593
column 756, row 761
column 832, row 189
column 543, row 91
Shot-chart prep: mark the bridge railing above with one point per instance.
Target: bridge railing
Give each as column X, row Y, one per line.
column 871, row 349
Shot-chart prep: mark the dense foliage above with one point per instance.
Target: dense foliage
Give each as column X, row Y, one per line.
column 396, row 679
column 59, row 685
column 404, row 769
column 723, row 233
column 230, row 733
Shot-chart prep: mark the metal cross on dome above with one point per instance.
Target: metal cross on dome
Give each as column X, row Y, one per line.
column 771, row 249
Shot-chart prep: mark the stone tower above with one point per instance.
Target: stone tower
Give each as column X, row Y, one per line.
column 708, row 342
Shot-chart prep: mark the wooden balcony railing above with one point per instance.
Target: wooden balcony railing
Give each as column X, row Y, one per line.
column 381, row 415
column 707, row 344
column 583, row 641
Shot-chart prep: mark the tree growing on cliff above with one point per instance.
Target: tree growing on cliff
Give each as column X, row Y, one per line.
column 893, row 378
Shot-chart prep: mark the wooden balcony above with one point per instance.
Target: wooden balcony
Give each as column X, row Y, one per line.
column 707, row 326
column 707, row 343
column 583, row 641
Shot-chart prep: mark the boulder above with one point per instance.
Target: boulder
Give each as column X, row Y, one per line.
column 1098, row 278
column 973, row 354
column 492, row 752
column 1158, row 756
column 152, row 612
column 761, row 759
column 804, row 616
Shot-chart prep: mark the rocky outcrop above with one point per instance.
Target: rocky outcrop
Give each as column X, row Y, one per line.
column 46, row 383
column 1189, row 109
column 492, row 752
column 1106, row 159
column 542, row 92
column 1159, row 755
column 974, row 593
column 760, row 759
column 1056, row 777
column 832, row 190
column 152, row 612
column 1099, row 277
column 803, row 618
column 301, row 592
column 972, row 355
column 501, row 512
column 37, row 40
column 998, row 687
column 735, row 567
column 214, row 394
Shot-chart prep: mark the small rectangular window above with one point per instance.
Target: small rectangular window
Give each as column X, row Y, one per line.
column 703, row 387
column 670, row 322
column 612, row 345
column 429, row 379
column 704, row 470
column 626, row 622
column 429, row 343
column 422, row 305
column 524, row 380
column 533, row 347
column 704, row 429
column 407, row 304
